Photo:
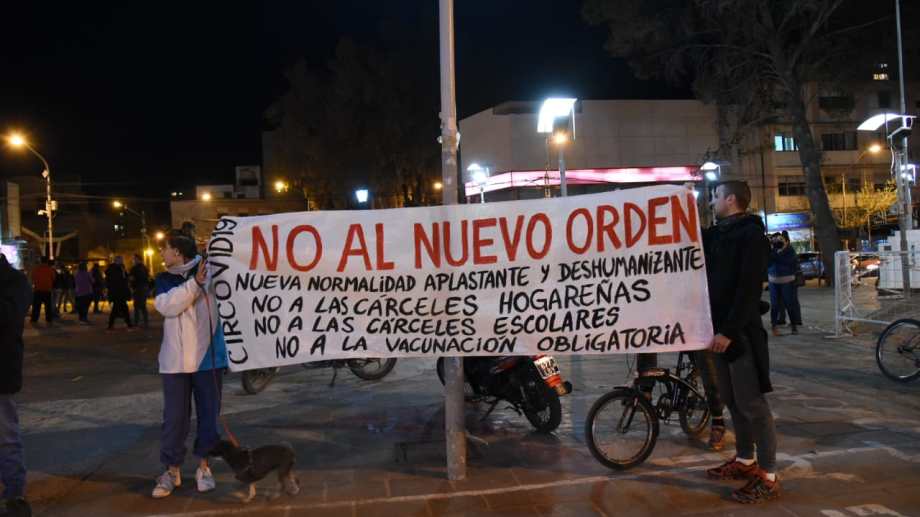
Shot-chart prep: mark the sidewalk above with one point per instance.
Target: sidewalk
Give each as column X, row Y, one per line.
column 849, row 442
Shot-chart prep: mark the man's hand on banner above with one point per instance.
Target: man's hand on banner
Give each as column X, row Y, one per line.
column 720, row 343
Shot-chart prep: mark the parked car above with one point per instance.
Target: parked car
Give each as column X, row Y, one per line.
column 864, row 265
column 811, row 265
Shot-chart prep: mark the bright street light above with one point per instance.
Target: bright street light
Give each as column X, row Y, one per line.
column 206, row 196
column 875, row 148
column 361, row 195
column 552, row 109
column 480, row 176
column 117, row 204
column 17, row 141
column 873, row 123
column 159, row 236
column 281, row 186
column 711, row 170
column 438, row 185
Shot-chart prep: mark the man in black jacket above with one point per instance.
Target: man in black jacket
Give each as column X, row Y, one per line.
column 15, row 295
column 140, row 283
column 736, row 266
column 116, row 279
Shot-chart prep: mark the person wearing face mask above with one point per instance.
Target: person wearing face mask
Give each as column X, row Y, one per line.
column 193, row 356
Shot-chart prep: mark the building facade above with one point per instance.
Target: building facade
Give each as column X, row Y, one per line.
column 851, row 159
column 629, row 143
column 616, row 142
column 246, row 197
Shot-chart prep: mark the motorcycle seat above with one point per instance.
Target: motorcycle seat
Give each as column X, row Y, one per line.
column 654, row 372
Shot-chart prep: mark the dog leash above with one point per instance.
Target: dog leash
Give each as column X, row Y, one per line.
column 220, row 404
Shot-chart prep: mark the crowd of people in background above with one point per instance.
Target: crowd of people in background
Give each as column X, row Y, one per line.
column 57, row 290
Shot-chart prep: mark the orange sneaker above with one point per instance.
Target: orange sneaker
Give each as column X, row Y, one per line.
column 733, row 469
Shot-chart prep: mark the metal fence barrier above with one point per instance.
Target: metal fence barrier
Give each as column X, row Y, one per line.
column 868, row 289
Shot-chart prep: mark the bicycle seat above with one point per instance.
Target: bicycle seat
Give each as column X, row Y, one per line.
column 653, row 372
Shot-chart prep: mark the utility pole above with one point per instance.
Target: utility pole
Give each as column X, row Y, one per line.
column 49, row 210
column 901, row 159
column 454, row 425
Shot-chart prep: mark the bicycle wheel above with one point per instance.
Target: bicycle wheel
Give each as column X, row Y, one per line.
column 621, row 429
column 898, row 350
column 693, row 410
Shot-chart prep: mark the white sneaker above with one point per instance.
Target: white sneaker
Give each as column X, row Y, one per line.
column 166, row 483
column 205, row 479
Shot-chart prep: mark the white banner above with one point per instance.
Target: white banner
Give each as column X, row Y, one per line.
column 617, row 272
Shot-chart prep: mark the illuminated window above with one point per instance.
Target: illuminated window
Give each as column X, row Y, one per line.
column 879, row 76
column 784, row 143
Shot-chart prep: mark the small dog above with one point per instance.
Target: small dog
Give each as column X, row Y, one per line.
column 252, row 465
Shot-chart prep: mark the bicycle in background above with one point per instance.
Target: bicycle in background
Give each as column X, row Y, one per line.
column 898, row 350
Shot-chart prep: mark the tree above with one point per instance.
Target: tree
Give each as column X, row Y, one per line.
column 360, row 120
column 753, row 58
column 871, row 203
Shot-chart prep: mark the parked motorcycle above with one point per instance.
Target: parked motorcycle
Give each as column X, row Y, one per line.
column 532, row 385
column 258, row 379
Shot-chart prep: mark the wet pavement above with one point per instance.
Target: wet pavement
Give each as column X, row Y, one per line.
column 849, row 439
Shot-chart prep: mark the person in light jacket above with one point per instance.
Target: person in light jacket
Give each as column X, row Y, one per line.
column 192, row 359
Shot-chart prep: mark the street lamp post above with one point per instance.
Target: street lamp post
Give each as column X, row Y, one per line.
column 479, row 175
column 560, row 139
column 557, row 116
column 17, row 140
column 897, row 142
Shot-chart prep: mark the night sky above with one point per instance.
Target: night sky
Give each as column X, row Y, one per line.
column 141, row 98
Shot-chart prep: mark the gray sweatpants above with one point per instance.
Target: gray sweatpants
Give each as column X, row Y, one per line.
column 751, row 415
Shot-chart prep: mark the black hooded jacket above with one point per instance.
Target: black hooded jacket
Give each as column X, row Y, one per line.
column 736, row 267
column 15, row 296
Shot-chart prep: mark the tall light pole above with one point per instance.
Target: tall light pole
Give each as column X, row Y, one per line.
column 560, row 139
column 902, row 127
column 480, row 176
column 557, row 116
column 18, row 141
column 454, row 423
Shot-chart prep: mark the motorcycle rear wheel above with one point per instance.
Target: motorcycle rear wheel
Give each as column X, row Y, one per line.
column 541, row 405
column 371, row 369
column 254, row 381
